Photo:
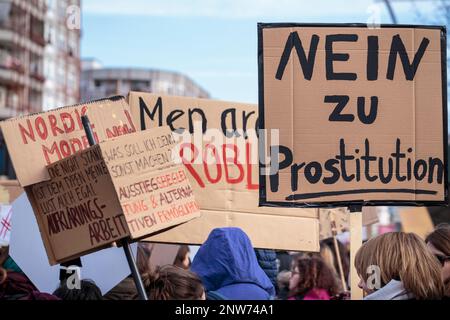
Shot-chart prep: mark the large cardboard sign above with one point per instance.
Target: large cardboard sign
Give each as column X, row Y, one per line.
column 154, row 192
column 106, row 267
column 361, row 114
column 127, row 186
column 340, row 218
column 5, row 224
column 37, row 140
column 220, row 152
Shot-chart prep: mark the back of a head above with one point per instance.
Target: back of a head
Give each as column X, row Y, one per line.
column 227, row 258
column 315, row 273
column 404, row 257
column 173, row 283
column 88, row 291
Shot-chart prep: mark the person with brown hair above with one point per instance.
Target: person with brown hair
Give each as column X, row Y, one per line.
column 88, row 291
column 329, row 254
column 438, row 242
column 182, row 259
column 173, row 283
column 398, row 266
column 312, row 279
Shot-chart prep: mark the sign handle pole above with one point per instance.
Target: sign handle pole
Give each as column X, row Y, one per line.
column 134, row 270
column 125, row 242
column 338, row 253
column 355, row 243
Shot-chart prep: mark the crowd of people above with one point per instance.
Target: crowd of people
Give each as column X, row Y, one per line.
column 391, row 266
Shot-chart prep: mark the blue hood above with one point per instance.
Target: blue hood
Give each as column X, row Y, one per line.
column 227, row 263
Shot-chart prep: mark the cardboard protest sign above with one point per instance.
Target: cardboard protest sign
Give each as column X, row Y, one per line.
column 37, row 140
column 163, row 254
column 154, row 192
column 156, row 254
column 10, row 190
column 122, row 187
column 77, row 210
column 359, row 113
column 219, row 149
column 416, row 220
column 341, row 218
column 369, row 216
column 106, row 267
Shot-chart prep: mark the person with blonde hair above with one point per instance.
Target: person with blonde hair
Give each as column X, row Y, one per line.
column 438, row 243
column 170, row 282
column 398, row 266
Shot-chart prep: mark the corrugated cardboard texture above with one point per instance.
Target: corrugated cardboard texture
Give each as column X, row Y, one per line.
column 410, row 111
column 10, row 190
column 36, row 140
column 264, row 230
column 77, row 210
column 88, row 204
column 232, row 199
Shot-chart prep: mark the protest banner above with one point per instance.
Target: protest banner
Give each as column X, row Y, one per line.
column 220, row 153
column 10, row 190
column 154, row 192
column 106, row 267
column 37, row 140
column 416, row 220
column 122, row 187
column 361, row 114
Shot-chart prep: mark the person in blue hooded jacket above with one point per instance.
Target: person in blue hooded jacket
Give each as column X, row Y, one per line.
column 228, row 268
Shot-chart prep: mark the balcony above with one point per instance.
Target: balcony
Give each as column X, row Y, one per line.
column 38, row 39
column 7, row 61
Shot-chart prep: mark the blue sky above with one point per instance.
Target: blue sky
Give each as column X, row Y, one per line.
column 213, row 42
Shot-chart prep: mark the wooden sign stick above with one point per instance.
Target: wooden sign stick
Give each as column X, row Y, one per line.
column 355, row 244
column 336, row 248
